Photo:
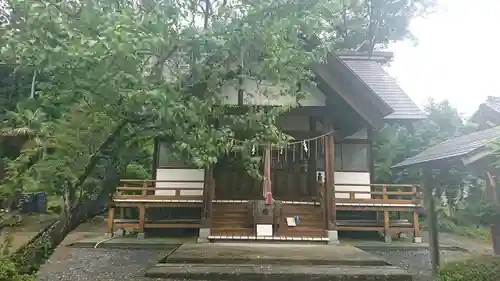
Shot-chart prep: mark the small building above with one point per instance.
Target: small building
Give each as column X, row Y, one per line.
column 333, row 126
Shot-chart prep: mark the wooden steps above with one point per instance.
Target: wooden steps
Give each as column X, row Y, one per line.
column 242, row 238
column 311, row 222
column 231, row 219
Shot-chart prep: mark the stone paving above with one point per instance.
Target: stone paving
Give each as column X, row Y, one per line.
column 88, row 264
column 273, row 253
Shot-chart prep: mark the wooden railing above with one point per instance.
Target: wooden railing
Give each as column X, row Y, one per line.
column 385, row 194
column 146, row 190
column 383, row 198
column 142, row 194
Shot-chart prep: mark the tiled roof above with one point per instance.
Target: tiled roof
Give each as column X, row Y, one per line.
column 385, row 86
column 493, row 103
column 456, row 147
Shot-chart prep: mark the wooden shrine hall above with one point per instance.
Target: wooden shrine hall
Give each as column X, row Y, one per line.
column 311, row 188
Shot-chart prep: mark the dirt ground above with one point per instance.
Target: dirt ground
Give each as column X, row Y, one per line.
column 32, row 224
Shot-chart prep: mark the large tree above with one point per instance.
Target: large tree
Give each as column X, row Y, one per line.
column 100, row 78
column 396, row 142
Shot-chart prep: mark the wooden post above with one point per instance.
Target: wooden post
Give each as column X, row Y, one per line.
column 208, row 197
column 266, row 183
column 491, row 191
column 312, row 160
column 387, row 233
column 142, row 220
column 111, row 220
column 430, row 203
column 416, row 224
column 145, row 188
column 330, row 209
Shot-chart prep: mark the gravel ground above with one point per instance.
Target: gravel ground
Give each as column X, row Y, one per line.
column 81, row 264
column 417, row 261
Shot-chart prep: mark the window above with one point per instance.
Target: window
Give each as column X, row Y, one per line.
column 355, row 157
column 349, row 157
column 165, row 157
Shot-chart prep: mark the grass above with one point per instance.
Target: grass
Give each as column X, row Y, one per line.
column 469, row 231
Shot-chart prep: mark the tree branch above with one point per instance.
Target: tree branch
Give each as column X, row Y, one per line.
column 96, row 156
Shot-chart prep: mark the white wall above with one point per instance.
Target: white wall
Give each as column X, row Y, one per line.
column 351, row 178
column 264, row 93
column 180, row 174
column 198, row 175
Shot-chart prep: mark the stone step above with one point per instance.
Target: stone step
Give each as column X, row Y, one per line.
column 252, row 272
column 269, row 239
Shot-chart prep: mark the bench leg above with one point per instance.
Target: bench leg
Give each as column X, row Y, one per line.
column 111, row 222
column 142, row 220
column 387, row 233
column 416, row 229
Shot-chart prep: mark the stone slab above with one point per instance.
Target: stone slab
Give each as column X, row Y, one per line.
column 272, row 253
column 251, row 272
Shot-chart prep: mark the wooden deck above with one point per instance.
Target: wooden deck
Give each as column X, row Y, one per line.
column 140, row 194
column 233, row 219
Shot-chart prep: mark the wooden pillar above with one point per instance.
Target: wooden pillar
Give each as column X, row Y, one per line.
column 111, row 220
column 491, row 192
column 208, row 197
column 266, row 183
column 206, row 213
column 330, row 209
column 142, row 220
column 430, row 203
column 312, row 160
column 416, row 224
column 387, row 233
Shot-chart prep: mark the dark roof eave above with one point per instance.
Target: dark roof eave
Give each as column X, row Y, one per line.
column 403, row 165
column 457, row 147
column 393, row 117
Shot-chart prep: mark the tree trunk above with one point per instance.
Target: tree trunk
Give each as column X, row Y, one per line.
column 69, row 197
column 32, row 255
column 495, row 235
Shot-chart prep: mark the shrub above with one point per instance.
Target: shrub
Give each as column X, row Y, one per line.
column 471, row 231
column 477, row 269
column 8, row 272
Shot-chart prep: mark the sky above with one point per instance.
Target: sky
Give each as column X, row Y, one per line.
column 457, row 56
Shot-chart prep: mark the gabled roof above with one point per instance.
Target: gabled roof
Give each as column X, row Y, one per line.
column 488, row 113
column 457, row 147
column 341, row 80
column 371, row 72
column 493, row 103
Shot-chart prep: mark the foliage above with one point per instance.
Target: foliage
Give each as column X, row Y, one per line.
column 395, row 142
column 465, row 229
column 476, row 269
column 465, row 203
column 8, row 272
column 88, row 84
column 85, row 69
